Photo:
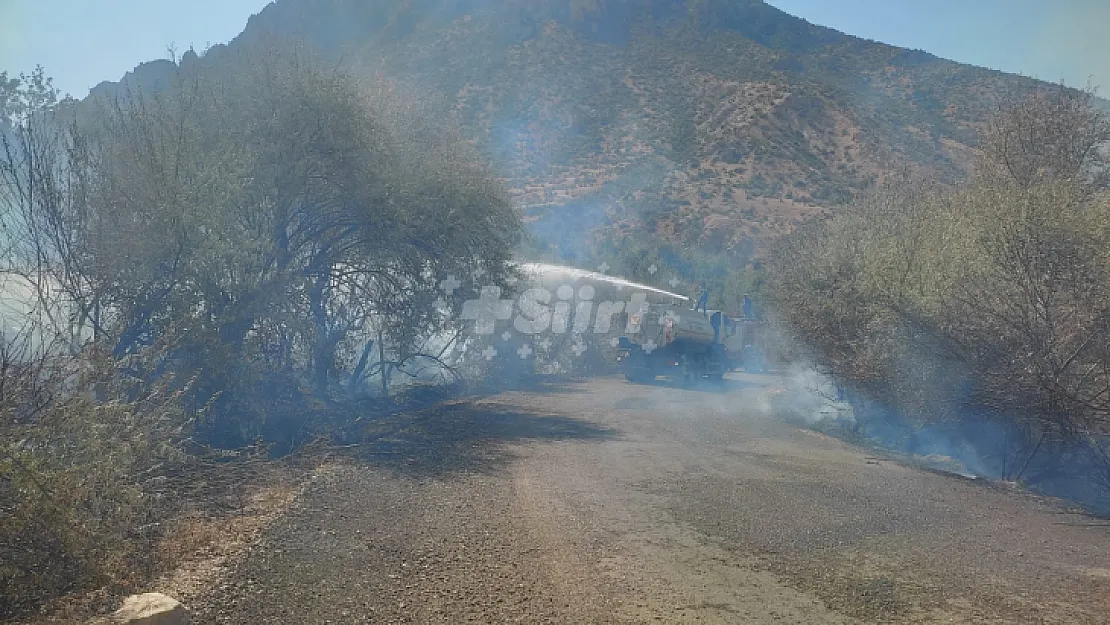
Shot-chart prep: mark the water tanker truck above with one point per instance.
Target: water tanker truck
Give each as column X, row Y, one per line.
column 666, row 340
column 661, row 335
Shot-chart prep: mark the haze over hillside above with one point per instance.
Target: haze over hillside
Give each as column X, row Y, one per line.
column 715, row 122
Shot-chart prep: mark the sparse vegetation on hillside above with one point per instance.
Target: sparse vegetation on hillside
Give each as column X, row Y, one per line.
column 569, row 97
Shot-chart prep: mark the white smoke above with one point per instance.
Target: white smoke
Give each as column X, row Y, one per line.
column 804, row 394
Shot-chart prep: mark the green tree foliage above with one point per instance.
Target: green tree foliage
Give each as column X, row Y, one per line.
column 272, row 215
column 986, row 301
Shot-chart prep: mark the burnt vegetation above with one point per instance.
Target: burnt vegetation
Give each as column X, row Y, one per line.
column 972, row 319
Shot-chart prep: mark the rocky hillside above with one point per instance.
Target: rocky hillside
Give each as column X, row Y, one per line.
column 710, row 122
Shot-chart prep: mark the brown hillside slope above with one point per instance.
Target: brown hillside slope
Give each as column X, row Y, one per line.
column 711, row 121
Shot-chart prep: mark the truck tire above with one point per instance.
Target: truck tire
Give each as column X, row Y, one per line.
column 638, row 370
column 688, row 371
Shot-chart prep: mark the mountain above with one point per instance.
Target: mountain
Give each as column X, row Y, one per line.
column 701, row 122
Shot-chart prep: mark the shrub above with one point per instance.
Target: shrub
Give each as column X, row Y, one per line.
column 981, row 304
column 82, row 475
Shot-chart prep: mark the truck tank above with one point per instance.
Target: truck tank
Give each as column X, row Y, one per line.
column 667, row 324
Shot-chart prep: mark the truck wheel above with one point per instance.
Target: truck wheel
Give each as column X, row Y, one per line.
column 689, row 372
column 638, row 370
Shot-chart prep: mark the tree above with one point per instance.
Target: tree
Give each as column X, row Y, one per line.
column 42, row 185
column 261, row 217
column 273, row 214
column 197, row 260
column 1055, row 133
column 83, row 451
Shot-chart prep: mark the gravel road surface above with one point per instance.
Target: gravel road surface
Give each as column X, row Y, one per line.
column 607, row 502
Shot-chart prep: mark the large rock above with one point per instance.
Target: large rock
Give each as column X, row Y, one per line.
column 151, row 608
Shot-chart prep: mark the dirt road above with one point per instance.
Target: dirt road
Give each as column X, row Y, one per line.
column 605, row 502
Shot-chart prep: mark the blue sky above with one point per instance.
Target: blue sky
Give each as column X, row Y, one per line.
column 84, row 42
column 1046, row 39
